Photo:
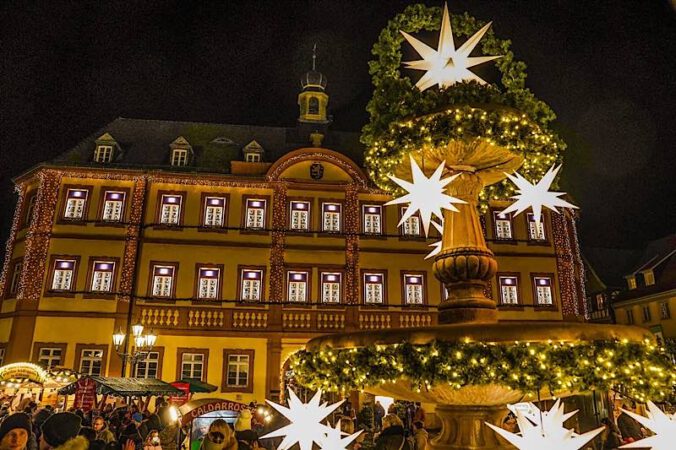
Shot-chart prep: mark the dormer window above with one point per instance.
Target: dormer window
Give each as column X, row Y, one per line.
column 253, row 152
column 104, row 153
column 631, row 282
column 252, row 157
column 181, row 151
column 649, row 277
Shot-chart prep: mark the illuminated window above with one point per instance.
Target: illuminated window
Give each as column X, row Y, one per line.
column 103, row 154
column 16, row 277
column 252, row 157
column 543, row 290
column 149, row 366
column 665, row 313
column 91, row 362
column 331, row 287
column 630, row 317
column 509, row 290
column 102, row 276
column 631, row 282
column 300, row 216
column 503, row 225
column 297, row 286
column 374, row 288
column 214, row 211
column 600, row 302
column 411, row 226
column 30, row 207
column 251, row 285
column 163, row 281
column 179, row 157
column 50, row 357
column 238, row 370
column 649, row 277
column 113, row 206
column 64, row 270
column 208, row 283
column 331, row 217
column 646, row 313
column 255, row 213
column 170, row 214
column 76, row 202
column 192, row 366
column 414, row 289
column 372, row 219
column 536, row 230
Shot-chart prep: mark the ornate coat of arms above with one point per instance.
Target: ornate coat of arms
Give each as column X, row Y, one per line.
column 316, row 171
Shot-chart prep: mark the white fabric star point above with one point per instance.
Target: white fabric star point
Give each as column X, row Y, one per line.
column 660, row 423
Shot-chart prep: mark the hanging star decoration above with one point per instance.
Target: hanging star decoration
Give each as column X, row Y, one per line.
column 334, row 440
column 546, row 433
column 535, row 196
column 425, row 195
column 437, row 245
column 305, row 427
column 660, row 423
column 447, row 65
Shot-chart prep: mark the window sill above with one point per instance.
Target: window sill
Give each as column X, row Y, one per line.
column 499, row 241
column 212, row 229
column 538, row 243
column 76, row 222
column 111, row 224
column 509, row 307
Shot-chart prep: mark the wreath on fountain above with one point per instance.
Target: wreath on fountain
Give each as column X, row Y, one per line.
column 639, row 370
column 404, row 119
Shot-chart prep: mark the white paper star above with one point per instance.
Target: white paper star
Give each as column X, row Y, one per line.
column 437, row 245
column 305, row 427
column 663, row 425
column 447, row 66
column 549, row 435
column 425, row 195
column 537, row 195
column 334, row 440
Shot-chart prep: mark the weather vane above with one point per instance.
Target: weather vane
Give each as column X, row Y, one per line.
column 314, row 55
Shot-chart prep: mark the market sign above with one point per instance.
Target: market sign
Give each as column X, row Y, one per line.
column 197, row 408
column 23, row 371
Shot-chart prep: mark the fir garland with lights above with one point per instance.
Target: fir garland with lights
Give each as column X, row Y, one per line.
column 404, row 119
column 639, row 370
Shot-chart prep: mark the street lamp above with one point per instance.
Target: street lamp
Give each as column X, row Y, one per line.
column 143, row 344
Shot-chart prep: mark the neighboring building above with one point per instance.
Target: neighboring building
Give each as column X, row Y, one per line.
column 650, row 298
column 237, row 244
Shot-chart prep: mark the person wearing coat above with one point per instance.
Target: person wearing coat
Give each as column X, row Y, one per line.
column 60, row 432
column 103, row 433
column 392, row 437
column 420, row 435
column 219, row 437
column 15, row 432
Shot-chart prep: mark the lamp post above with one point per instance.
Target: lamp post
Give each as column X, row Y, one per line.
column 143, row 344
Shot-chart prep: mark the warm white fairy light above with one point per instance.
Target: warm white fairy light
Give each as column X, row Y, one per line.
column 305, row 428
column 425, row 195
column 660, row 423
column 537, row 195
column 547, row 432
column 333, row 438
column 446, row 65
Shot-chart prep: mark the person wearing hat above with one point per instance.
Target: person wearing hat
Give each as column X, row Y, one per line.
column 60, row 431
column 15, row 432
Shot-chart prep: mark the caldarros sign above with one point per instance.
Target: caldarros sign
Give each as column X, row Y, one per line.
column 200, row 408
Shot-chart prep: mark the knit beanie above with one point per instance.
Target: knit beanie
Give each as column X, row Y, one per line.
column 40, row 416
column 61, row 427
column 16, row 420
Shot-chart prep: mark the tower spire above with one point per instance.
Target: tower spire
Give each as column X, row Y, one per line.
column 314, row 56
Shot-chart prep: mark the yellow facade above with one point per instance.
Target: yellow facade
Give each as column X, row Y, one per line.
column 35, row 316
column 655, row 312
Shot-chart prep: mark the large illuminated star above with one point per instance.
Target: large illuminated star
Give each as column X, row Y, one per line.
column 446, row 65
column 305, row 427
column 549, row 434
column 333, row 438
column 425, row 195
column 537, row 195
column 663, row 425
column 437, row 245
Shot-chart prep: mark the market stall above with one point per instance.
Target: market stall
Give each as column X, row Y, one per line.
column 23, row 382
column 197, row 415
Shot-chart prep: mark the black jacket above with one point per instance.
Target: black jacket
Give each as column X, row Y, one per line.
column 391, row 439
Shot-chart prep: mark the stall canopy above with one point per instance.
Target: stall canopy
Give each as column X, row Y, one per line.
column 126, row 387
column 196, row 386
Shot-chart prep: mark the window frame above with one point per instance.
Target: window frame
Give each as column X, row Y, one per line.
column 14, row 275
column 181, row 212
column 240, row 284
column 151, row 279
column 179, row 361
column 341, row 286
column 411, row 237
column 102, row 202
column 39, row 346
column 27, row 208
column 252, row 157
column 244, row 214
column 646, row 317
column 219, row 280
column 552, row 288
column 90, row 276
column 519, row 292
column 545, row 229
column 495, row 213
column 227, row 352
column 175, row 152
column 308, row 284
column 362, row 287
column 665, row 310
column 341, row 216
column 310, row 207
column 413, row 273
column 48, row 291
column 64, row 202
column 630, row 316
column 362, row 220
column 98, row 151
column 79, row 348
column 160, row 352
column 203, row 211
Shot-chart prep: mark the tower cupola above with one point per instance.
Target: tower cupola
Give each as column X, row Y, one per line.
column 313, row 99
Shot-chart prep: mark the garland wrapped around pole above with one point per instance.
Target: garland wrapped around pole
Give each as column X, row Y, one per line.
column 640, row 370
column 404, row 119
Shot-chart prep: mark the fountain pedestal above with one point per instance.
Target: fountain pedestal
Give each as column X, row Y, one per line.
column 462, row 427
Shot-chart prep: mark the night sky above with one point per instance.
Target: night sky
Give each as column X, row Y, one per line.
column 608, row 69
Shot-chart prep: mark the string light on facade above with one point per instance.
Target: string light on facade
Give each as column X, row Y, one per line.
column 425, row 195
column 660, row 423
column 447, row 65
column 545, row 430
